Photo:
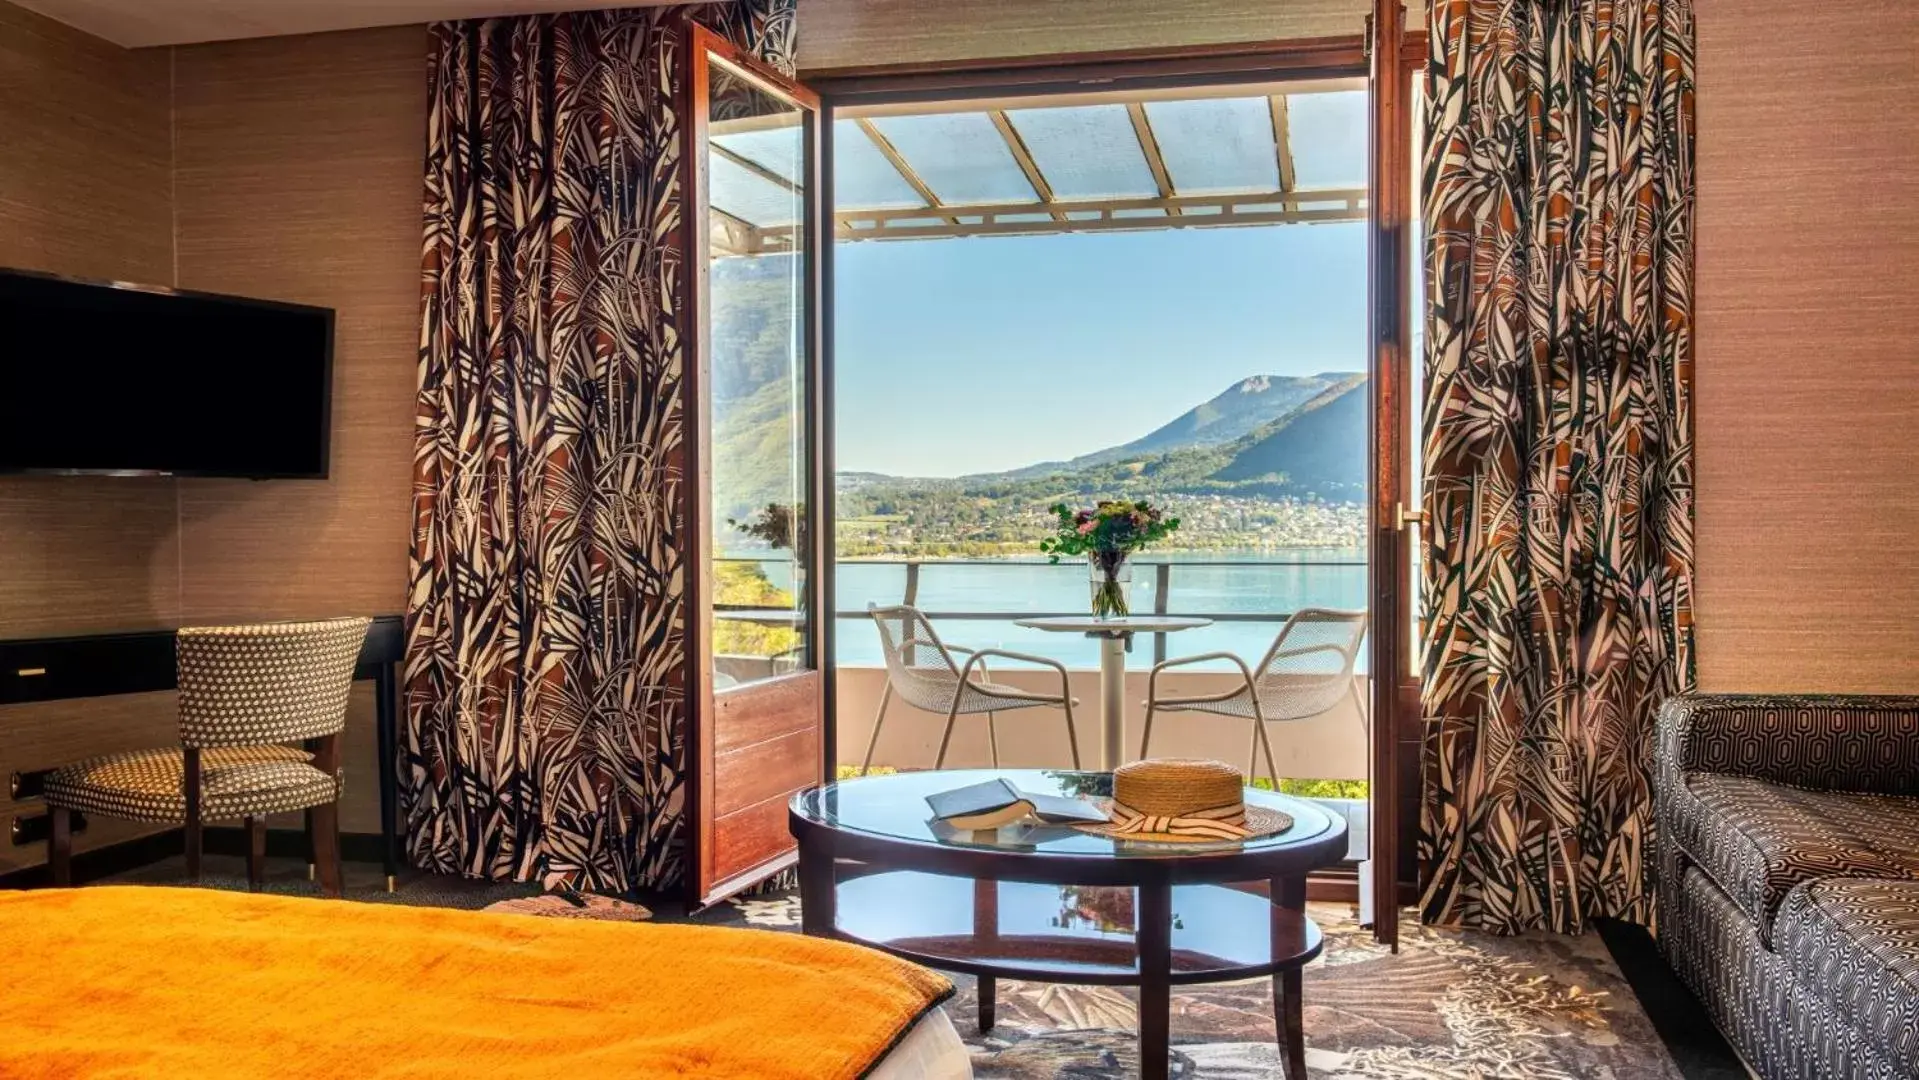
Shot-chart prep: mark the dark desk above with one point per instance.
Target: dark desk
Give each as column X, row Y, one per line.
column 100, row 665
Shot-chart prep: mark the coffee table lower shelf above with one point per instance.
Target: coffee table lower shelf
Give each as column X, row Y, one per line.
column 1065, row 933
column 1075, row 934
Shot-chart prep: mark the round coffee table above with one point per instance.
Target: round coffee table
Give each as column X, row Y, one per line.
column 1052, row 904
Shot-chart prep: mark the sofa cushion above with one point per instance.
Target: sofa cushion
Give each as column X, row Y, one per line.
column 1855, row 943
column 1757, row 839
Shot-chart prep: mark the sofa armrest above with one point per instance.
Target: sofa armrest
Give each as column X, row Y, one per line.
column 1829, row 742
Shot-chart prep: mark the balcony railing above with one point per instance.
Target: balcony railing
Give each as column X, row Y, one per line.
column 1341, row 583
column 1162, row 591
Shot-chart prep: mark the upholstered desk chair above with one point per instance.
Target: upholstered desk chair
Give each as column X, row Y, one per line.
column 1307, row 671
column 921, row 670
column 245, row 692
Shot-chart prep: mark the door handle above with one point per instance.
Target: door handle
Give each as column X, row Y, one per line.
column 1410, row 517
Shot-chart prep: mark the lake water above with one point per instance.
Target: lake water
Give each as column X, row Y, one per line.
column 1270, row 583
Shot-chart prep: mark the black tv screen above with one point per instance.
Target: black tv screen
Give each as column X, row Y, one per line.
column 98, row 378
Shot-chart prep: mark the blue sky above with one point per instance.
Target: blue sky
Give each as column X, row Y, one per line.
column 988, row 353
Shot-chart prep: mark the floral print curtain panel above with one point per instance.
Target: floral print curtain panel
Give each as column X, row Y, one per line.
column 545, row 677
column 1558, row 580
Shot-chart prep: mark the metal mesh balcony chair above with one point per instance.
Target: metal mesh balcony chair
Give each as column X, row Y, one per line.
column 921, row 671
column 1308, row 670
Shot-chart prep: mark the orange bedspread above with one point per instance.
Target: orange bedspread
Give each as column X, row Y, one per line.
column 152, row 982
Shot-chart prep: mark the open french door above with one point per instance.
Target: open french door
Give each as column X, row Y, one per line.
column 755, row 482
column 1395, row 520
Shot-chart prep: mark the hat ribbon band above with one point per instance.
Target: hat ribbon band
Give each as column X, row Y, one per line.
column 1218, row 823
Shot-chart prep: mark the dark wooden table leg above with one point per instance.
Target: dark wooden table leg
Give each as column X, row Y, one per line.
column 817, row 915
column 1289, row 894
column 1155, row 938
column 386, row 723
column 986, row 931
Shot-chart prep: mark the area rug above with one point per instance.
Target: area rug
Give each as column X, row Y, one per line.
column 1449, row 1004
column 582, row 906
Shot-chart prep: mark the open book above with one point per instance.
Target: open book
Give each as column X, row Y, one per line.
column 996, row 802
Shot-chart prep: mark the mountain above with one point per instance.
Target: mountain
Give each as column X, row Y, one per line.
column 1234, row 413
column 1240, row 409
column 1319, row 448
column 1298, row 479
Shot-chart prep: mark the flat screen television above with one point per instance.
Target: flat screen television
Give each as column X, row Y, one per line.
column 128, row 380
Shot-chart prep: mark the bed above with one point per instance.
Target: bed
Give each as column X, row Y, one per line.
column 156, row 982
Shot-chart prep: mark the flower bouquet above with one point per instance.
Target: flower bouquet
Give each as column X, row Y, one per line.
column 1108, row 534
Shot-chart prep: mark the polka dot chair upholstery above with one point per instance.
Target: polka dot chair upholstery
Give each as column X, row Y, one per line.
column 245, row 692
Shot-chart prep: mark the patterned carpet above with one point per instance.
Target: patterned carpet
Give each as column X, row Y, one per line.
column 1539, row 1007
column 1535, row 1007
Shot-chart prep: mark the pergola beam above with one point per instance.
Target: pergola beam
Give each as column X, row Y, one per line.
column 1224, row 220
column 1097, row 215
column 1353, row 199
column 1023, row 157
column 1149, row 146
column 893, row 158
column 1282, row 140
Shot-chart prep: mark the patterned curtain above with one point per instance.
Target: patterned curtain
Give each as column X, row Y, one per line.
column 546, row 681
column 1558, row 583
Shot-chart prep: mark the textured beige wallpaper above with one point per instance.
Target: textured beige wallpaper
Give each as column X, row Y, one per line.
column 84, row 173
column 84, row 164
column 866, row 33
column 1808, row 344
column 298, row 177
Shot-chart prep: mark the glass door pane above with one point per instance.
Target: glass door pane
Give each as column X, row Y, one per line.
column 758, row 461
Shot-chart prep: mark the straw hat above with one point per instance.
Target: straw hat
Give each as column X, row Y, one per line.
column 1178, row 801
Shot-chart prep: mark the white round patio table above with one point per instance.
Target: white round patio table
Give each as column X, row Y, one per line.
column 1112, row 665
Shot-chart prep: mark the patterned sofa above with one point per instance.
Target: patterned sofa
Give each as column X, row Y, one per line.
column 1788, row 846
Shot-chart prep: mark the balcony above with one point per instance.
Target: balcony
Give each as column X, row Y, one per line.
column 974, row 602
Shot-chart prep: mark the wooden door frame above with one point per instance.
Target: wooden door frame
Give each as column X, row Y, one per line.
column 702, row 47
column 1397, row 519
column 1389, row 190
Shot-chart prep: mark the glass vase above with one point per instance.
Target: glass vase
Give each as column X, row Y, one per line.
column 1110, row 574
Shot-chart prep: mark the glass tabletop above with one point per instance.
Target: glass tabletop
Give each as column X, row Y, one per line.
column 894, row 807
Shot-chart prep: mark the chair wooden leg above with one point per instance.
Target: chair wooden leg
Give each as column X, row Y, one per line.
column 313, row 854
column 60, row 846
column 952, row 716
column 256, row 853
column 190, row 831
column 879, row 720
column 992, row 739
column 325, row 823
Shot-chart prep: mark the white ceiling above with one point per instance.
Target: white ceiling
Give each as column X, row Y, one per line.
column 136, row 23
